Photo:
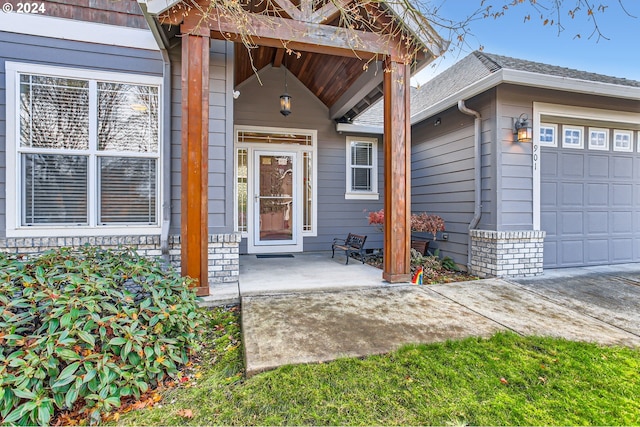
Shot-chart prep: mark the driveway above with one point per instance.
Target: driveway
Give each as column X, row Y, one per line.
column 319, row 326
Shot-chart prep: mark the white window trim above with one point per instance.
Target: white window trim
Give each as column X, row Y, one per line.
column 580, row 129
column 606, row 139
column 629, row 134
column 362, row 195
column 13, row 223
column 554, row 127
column 251, row 147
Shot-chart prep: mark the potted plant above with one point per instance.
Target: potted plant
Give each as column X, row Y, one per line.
column 420, row 223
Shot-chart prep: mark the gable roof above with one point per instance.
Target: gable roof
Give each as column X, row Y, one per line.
column 480, row 71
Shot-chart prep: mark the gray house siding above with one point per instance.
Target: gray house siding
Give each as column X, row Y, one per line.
column 258, row 105
column 220, row 138
column 515, row 170
column 442, row 175
column 62, row 53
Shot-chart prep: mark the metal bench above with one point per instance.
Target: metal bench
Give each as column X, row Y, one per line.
column 354, row 243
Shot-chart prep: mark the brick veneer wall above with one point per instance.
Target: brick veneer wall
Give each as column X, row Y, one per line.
column 506, row 253
column 224, row 254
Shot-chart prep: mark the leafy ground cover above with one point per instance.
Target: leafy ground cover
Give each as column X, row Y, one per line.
column 83, row 330
column 505, row 380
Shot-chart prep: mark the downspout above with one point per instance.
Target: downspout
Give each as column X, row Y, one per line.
column 477, row 169
column 166, row 129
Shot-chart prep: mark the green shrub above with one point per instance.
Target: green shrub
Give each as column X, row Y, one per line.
column 84, row 328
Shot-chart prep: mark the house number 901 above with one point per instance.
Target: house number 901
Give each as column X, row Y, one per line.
column 27, row 7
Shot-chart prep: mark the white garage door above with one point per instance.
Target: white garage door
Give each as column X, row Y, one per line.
column 590, row 200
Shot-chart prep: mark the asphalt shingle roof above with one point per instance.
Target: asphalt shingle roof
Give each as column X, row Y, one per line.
column 475, row 67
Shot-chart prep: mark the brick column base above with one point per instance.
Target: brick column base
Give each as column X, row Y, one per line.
column 506, row 253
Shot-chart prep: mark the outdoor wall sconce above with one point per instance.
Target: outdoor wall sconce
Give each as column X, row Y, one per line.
column 285, row 99
column 523, row 130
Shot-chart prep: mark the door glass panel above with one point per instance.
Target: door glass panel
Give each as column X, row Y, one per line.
column 275, row 198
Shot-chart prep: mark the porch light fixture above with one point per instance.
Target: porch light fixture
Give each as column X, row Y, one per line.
column 285, row 99
column 523, row 130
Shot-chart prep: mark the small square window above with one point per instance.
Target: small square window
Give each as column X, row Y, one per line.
column 547, row 135
column 598, row 139
column 572, row 137
column 362, row 168
column 623, row 140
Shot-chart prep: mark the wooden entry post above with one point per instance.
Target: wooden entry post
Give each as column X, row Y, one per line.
column 397, row 173
column 194, row 227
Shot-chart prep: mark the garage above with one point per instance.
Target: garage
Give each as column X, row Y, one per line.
column 589, row 194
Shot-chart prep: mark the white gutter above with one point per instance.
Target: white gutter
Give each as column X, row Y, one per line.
column 477, row 173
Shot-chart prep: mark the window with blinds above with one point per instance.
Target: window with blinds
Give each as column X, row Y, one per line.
column 88, row 152
column 362, row 180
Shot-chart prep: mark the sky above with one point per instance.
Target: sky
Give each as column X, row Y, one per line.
column 510, row 35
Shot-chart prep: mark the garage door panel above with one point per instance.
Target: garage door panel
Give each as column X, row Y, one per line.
column 549, row 164
column 597, row 251
column 597, row 223
column 622, row 222
column 571, row 252
column 598, row 167
column 571, row 166
column 571, row 194
column 550, row 255
column 621, row 250
column 597, row 194
column 572, row 223
column 549, row 194
column 622, row 195
column 622, row 167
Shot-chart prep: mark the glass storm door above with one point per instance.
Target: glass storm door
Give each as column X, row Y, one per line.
column 276, row 203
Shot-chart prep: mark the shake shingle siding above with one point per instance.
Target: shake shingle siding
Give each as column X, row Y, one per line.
column 61, row 53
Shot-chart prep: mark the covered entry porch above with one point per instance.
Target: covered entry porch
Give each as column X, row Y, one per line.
column 328, row 46
column 300, row 272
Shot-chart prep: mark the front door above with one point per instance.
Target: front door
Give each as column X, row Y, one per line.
column 276, row 202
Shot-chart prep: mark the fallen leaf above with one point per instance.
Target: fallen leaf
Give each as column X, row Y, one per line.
column 185, row 413
column 543, row 380
column 504, row 381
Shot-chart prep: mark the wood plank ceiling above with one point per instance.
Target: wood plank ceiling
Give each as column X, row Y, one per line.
column 326, row 76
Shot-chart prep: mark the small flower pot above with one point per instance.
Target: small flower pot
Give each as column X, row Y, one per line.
column 422, row 246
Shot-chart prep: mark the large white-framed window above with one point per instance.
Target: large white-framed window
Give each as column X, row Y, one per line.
column 362, row 168
column 83, row 152
column 304, row 142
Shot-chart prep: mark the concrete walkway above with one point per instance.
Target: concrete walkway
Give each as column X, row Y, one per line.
column 309, row 327
column 312, row 308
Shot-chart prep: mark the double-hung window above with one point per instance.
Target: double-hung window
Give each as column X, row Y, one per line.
column 362, row 168
column 85, row 151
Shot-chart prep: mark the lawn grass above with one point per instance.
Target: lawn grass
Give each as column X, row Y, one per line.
column 505, row 380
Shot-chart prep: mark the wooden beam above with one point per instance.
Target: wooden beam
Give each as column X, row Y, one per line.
column 397, row 173
column 278, row 57
column 306, row 7
column 194, row 228
column 358, row 90
column 309, row 37
column 329, row 12
column 288, row 8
